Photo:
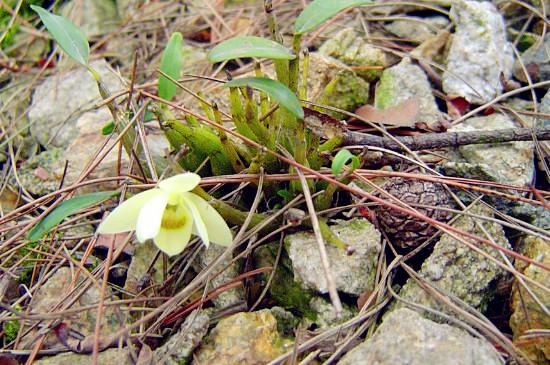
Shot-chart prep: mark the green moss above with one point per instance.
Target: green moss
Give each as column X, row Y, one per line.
column 11, row 328
column 384, row 97
column 346, row 91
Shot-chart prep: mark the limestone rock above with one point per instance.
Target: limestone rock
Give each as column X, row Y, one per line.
column 353, row 50
column 406, row 338
column 110, row 356
column 527, row 314
column 507, row 163
column 326, row 317
column 416, row 28
column 353, row 274
column 180, row 345
column 243, row 339
column 95, row 18
column 479, row 52
column 229, row 297
column 39, row 175
column 455, row 269
column 51, row 292
column 402, row 82
column 61, row 99
column 535, row 60
column 138, row 269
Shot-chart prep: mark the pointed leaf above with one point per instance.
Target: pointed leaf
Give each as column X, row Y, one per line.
column 69, row 37
column 65, row 209
column 274, row 89
column 249, row 46
column 319, row 11
column 171, row 62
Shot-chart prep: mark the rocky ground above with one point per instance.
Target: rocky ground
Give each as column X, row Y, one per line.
column 474, row 292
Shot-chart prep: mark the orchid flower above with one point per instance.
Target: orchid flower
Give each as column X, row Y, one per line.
column 169, row 214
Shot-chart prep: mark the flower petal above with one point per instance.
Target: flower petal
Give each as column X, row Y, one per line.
column 150, row 217
column 198, row 223
column 173, row 241
column 124, row 217
column 180, row 183
column 218, row 231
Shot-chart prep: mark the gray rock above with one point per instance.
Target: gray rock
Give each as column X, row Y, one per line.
column 229, row 297
column 326, row 317
column 545, row 108
column 138, row 274
column 180, row 346
column 87, row 140
column 507, row 163
column 457, row 270
column 353, row 274
column 110, row 356
column 353, row 50
column 243, row 339
column 39, row 175
column 535, row 60
column 333, row 83
column 402, row 82
column 60, row 100
column 48, row 296
column 406, row 338
column 286, row 321
column 416, row 28
column 95, row 18
column 479, row 52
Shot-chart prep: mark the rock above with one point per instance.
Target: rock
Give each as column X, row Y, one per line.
column 538, row 215
column 535, row 60
column 326, row 317
column 179, row 347
column 333, row 83
column 527, row 314
column 95, row 18
column 455, row 269
column 60, row 100
column 138, row 274
column 406, row 338
column 479, row 52
column 286, row 321
column 110, row 356
column 48, row 296
column 286, row 292
column 243, row 339
column 39, row 174
column 402, row 82
column 85, row 144
column 416, row 28
column 545, row 108
column 353, row 274
column 128, row 8
column 230, row 297
column 507, row 163
column 353, row 50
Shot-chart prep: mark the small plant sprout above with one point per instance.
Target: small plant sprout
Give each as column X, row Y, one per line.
column 168, row 215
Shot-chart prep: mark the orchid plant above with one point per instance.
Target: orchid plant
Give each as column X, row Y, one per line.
column 168, row 214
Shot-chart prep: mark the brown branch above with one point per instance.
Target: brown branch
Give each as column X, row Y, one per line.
column 447, row 139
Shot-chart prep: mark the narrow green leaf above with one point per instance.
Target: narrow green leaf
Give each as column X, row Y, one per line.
column 65, row 209
column 319, row 11
column 69, row 37
column 341, row 159
column 249, row 46
column 171, row 62
column 274, row 89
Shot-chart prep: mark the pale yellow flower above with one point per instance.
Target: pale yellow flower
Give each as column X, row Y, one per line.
column 168, row 215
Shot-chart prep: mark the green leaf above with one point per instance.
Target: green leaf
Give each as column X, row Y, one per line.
column 249, row 46
column 108, row 128
column 65, row 209
column 171, row 62
column 276, row 90
column 69, row 37
column 341, row 159
column 319, row 11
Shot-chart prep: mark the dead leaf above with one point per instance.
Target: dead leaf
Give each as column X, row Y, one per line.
column 457, row 107
column 402, row 115
column 41, row 173
column 104, row 241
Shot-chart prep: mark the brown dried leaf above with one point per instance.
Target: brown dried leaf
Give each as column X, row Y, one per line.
column 402, row 115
